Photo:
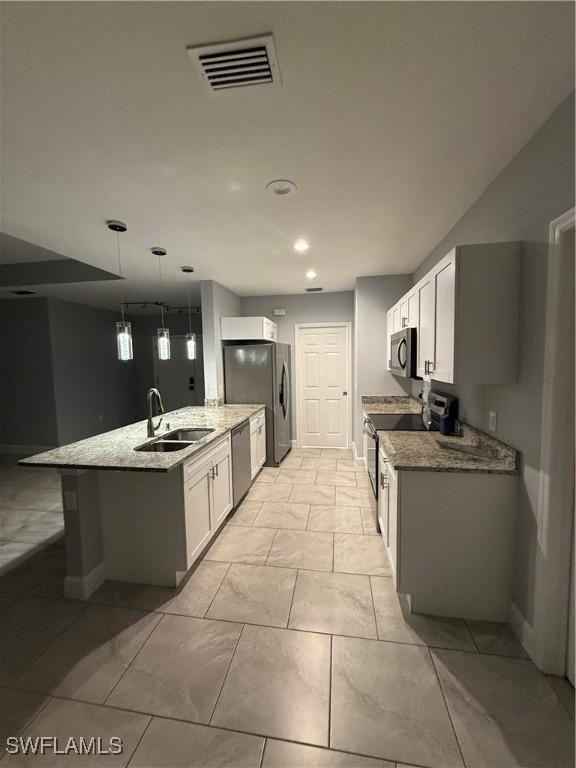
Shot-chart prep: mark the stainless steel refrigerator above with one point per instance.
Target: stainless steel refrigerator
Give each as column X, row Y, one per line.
column 260, row 373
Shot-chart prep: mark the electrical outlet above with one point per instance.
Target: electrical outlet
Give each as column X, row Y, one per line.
column 492, row 421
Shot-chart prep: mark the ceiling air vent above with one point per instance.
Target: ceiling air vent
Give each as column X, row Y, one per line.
column 313, row 290
column 237, row 64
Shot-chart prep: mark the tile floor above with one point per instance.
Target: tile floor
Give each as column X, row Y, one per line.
column 30, row 510
column 286, row 648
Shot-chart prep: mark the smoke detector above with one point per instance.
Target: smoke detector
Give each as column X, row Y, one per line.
column 237, row 64
column 281, row 187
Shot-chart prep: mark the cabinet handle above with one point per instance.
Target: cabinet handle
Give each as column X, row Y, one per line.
column 404, row 322
column 212, row 475
column 216, row 470
column 383, row 483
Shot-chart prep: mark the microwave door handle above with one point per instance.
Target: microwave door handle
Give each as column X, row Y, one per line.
column 400, row 346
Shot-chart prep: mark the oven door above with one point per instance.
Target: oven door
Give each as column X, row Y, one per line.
column 371, row 454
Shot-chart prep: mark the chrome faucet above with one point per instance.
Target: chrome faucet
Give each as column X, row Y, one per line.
column 153, row 393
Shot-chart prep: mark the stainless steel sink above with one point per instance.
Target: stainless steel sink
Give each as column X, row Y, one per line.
column 165, row 446
column 189, row 435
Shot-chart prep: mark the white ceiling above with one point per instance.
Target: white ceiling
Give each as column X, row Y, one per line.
column 392, row 119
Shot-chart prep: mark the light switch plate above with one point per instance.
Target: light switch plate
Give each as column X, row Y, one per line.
column 492, row 421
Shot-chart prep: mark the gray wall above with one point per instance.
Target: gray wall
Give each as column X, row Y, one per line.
column 94, row 391
column 535, row 188
column 27, row 400
column 301, row 308
column 373, row 297
column 217, row 302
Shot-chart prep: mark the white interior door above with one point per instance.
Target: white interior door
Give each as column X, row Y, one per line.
column 323, row 375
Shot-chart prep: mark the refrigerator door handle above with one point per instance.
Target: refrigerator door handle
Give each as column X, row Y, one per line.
column 284, row 391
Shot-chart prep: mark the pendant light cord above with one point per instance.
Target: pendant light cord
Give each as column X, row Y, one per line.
column 161, row 291
column 121, row 276
column 189, row 308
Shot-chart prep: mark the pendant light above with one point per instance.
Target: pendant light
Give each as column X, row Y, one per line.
column 123, row 328
column 190, row 337
column 162, row 334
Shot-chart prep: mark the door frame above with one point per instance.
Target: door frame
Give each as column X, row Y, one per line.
column 546, row 640
column 297, row 375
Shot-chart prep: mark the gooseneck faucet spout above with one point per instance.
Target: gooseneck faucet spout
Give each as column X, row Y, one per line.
column 153, row 393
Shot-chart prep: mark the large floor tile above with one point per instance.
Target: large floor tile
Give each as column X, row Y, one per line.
column 318, row 463
column 286, row 754
column 360, row 554
column 278, row 685
column 43, row 574
column 498, row 639
column 369, row 521
column 313, row 494
column 397, row 624
column 246, row 513
column 282, row 514
column 17, row 708
column 350, row 465
column 355, row 497
column 256, row 594
column 328, row 477
column 89, row 658
column 336, row 603
column 335, row 519
column 336, row 453
column 193, row 598
column 302, row 549
column 504, row 712
column 31, row 498
column 565, row 692
column 172, row 744
column 28, row 628
column 296, row 476
column 386, row 702
column 119, row 593
column 305, row 453
column 242, row 545
column 179, row 672
column 62, row 719
column 267, row 475
column 292, row 462
column 273, row 492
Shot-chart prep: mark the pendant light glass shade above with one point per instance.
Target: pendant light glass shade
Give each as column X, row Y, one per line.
column 124, row 340
column 163, row 343
column 191, row 346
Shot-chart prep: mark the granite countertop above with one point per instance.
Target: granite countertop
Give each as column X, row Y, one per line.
column 391, row 404
column 115, row 449
column 431, row 451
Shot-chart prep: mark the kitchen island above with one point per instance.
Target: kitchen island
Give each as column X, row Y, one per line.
column 133, row 513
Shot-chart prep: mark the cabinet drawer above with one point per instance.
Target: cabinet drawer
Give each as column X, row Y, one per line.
column 196, row 464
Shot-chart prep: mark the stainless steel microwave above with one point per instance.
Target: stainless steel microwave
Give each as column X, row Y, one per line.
column 403, row 353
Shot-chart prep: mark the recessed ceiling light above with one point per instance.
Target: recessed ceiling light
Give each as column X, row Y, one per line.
column 281, row 187
column 301, row 245
column 311, row 274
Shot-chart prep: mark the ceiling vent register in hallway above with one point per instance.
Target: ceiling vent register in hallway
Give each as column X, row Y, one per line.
column 238, row 64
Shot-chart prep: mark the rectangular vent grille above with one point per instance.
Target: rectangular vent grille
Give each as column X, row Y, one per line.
column 313, row 290
column 237, row 64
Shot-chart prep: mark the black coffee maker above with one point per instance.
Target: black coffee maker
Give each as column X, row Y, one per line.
column 444, row 409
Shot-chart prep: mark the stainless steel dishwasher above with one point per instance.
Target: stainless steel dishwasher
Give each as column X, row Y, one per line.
column 241, row 465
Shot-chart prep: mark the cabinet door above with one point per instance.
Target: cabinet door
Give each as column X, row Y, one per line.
column 261, row 443
column 445, row 288
column 396, row 319
column 389, row 332
column 383, row 503
column 412, row 302
column 197, row 518
column 404, row 312
column 393, row 524
column 222, row 496
column 426, row 322
column 254, row 449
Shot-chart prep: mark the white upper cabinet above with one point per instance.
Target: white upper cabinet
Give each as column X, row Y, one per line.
column 466, row 312
column 248, row 329
column 389, row 332
column 396, row 319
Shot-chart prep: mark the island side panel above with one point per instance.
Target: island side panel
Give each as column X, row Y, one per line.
column 457, row 543
column 143, row 528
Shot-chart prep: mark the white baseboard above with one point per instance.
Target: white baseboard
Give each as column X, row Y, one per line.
column 523, row 632
column 81, row 587
column 356, row 457
column 294, row 443
column 28, row 450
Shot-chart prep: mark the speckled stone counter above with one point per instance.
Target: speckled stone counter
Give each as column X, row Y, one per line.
column 391, row 404
column 431, row 451
column 115, row 449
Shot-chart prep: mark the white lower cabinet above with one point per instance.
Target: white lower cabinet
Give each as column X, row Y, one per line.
column 207, row 496
column 450, row 539
column 257, row 442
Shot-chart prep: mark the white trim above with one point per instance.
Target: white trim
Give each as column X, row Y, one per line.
column 523, row 631
column 333, row 324
column 30, row 450
column 81, row 587
column 546, row 642
column 356, row 457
